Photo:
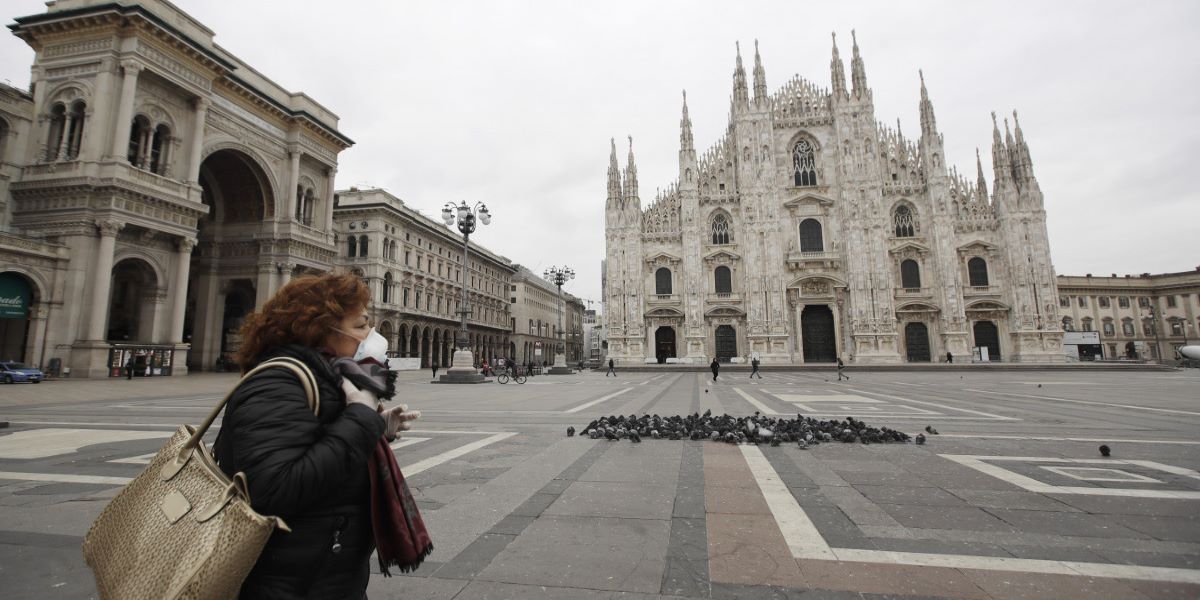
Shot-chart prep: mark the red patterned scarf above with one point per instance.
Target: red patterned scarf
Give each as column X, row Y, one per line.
column 400, row 536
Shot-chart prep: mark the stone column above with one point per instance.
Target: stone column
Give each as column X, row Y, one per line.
column 201, row 105
column 143, row 157
column 289, row 207
column 64, row 142
column 125, row 108
column 286, row 275
column 103, row 279
column 330, row 191
column 183, row 263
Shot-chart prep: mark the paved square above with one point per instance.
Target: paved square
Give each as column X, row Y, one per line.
column 1010, row 500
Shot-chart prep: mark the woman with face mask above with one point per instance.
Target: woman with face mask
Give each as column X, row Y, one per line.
column 324, row 474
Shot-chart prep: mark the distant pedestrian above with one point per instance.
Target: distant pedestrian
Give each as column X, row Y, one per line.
column 529, row 368
column 611, row 369
column 716, row 368
column 129, row 367
column 949, row 357
column 841, row 366
column 754, row 368
column 433, row 365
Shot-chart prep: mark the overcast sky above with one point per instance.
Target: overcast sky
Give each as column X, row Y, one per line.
column 513, row 103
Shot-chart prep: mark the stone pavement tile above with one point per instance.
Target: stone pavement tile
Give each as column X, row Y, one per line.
column 403, row 588
column 492, row 590
column 861, row 511
column 945, row 517
column 876, row 578
column 475, row 557
column 749, row 550
column 535, row 505
column 1068, row 553
column 885, row 479
column 689, row 501
column 651, row 470
column 615, row 499
column 938, row 547
column 1161, row 590
column 1128, row 506
column 1064, row 523
column 1015, row 585
column 512, row 525
column 837, row 529
column 842, row 466
column 591, row 553
column 729, row 591
column 1022, row 500
column 1117, row 554
column 1178, row 529
column 909, row 495
column 742, row 500
column 686, row 571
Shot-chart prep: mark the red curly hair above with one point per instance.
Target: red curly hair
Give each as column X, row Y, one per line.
column 302, row 312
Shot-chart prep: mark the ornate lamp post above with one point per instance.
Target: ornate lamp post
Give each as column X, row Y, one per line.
column 463, row 370
column 558, row 276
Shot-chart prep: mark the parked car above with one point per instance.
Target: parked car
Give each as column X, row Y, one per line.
column 13, row 372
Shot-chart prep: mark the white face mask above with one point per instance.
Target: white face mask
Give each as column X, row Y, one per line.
column 375, row 346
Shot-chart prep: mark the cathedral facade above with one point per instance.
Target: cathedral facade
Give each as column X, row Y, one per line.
column 810, row 232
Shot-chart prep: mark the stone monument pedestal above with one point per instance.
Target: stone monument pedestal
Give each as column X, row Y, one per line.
column 560, row 366
column 463, row 370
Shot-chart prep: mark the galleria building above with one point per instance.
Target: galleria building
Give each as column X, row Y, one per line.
column 811, row 231
column 155, row 189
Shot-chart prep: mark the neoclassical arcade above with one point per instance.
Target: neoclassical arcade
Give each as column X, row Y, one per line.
column 155, row 190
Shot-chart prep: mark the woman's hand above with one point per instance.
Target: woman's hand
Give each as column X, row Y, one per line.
column 397, row 419
column 357, row 396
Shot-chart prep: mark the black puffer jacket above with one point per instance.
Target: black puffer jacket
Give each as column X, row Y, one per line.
column 310, row 471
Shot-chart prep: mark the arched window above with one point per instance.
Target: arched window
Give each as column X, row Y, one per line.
column 1109, row 329
column 351, row 246
column 662, row 281
column 160, row 147
column 720, row 229
column 977, row 273
column 387, row 287
column 1085, row 324
column 309, row 200
column 910, row 274
column 804, row 164
column 904, row 221
column 75, row 129
column 1068, row 324
column 58, row 123
column 1127, row 327
column 722, row 281
column 362, row 245
column 139, row 138
column 810, row 236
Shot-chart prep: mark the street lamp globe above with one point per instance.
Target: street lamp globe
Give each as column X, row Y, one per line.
column 463, row 370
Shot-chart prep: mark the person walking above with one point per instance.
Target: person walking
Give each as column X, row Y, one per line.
column 129, row 367
column 611, row 369
column 434, row 365
column 716, row 368
column 329, row 474
column 841, row 366
column 949, row 357
column 754, row 368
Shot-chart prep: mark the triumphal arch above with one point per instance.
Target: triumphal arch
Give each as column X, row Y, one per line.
column 158, row 189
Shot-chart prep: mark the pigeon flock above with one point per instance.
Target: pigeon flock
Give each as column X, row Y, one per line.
column 753, row 429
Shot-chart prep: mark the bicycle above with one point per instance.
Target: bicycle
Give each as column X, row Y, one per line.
column 517, row 376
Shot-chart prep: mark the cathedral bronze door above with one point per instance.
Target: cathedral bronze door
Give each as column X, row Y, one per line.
column 986, row 335
column 916, row 342
column 816, row 329
column 664, row 343
column 726, row 338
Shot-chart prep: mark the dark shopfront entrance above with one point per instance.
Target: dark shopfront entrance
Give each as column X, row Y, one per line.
column 148, row 361
column 664, row 344
column 816, row 329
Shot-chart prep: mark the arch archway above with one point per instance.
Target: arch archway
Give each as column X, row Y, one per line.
column 18, row 295
column 425, row 348
column 725, row 339
column 988, row 336
column 131, row 303
column 916, row 342
column 818, row 335
column 414, row 344
column 664, row 343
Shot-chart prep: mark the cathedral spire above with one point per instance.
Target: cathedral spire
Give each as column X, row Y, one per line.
column 614, row 173
column 1025, row 162
column 1001, row 168
column 928, row 122
column 631, row 182
column 760, row 78
column 741, row 97
column 858, row 73
column 686, row 142
column 980, row 181
column 837, row 72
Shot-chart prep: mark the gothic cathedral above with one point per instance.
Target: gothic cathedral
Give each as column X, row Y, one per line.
column 811, row 232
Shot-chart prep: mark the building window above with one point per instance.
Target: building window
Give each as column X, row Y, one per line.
column 1123, row 301
column 904, row 222
column 804, row 164
column 1127, row 327
column 720, row 229
column 977, row 272
column 1085, row 324
column 428, row 301
column 1176, row 327
column 351, row 246
column 662, row 281
column 139, row 141
column 1147, row 327
column 1109, row 330
column 387, row 288
column 1143, row 302
column 1104, row 301
column 362, row 245
column 1064, row 302
column 1171, row 301
column 910, row 275
column 160, row 147
column 722, row 280
column 1068, row 324
column 1083, row 302
column 405, row 297
column 810, row 236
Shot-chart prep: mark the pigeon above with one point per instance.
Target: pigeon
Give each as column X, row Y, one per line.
column 655, row 434
column 1039, row 385
column 570, row 432
column 920, row 439
column 594, row 434
column 634, row 437
column 775, row 442
column 609, row 435
column 929, row 429
column 803, row 445
column 1105, row 450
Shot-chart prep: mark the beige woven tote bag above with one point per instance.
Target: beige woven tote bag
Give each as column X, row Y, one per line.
column 181, row 528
